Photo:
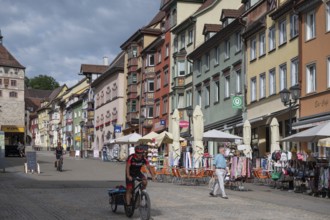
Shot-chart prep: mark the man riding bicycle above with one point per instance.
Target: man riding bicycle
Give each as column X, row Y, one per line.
column 133, row 169
column 59, row 151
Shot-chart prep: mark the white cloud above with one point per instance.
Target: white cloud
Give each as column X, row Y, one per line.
column 56, row 37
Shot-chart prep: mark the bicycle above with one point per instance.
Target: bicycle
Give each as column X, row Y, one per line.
column 59, row 164
column 140, row 199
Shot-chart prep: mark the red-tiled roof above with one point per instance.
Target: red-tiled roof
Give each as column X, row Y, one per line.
column 6, row 59
column 211, row 28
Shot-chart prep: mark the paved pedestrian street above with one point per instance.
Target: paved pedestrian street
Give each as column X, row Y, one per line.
column 80, row 192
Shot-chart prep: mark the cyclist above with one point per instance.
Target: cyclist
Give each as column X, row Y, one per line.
column 133, row 169
column 59, row 151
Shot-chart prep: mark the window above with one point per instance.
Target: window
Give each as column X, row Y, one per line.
column 238, row 81
column 188, row 98
column 262, row 85
column 13, row 83
column 328, row 71
column 216, row 55
column 227, row 86
column 134, row 79
column 216, row 91
column 311, row 78
column 294, row 25
column 158, row 85
column 207, row 61
column 253, row 89
column 181, row 68
column 253, row 47
column 150, row 111
column 0, row 82
column 271, row 37
column 262, row 44
column 13, row 94
column 167, row 51
column 310, row 25
column 181, row 100
column 207, row 95
column 199, row 97
column 190, row 67
column 198, row 66
column 151, row 60
column 328, row 16
column 227, row 49
column 134, row 51
column 164, row 105
column 133, row 106
column 165, row 77
column 159, row 55
column 283, row 77
column 282, row 32
column 272, row 82
column 150, row 85
column 183, row 39
column 294, row 71
column 190, row 36
column 175, row 42
column 238, row 41
column 0, row 93
column 157, row 113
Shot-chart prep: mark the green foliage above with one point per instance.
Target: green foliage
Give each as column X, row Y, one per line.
column 43, row 82
column 27, row 82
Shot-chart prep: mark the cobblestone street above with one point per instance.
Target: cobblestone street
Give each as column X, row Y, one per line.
column 80, row 192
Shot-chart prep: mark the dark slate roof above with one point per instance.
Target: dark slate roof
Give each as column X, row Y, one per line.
column 91, row 68
column 55, row 92
column 206, row 4
column 117, row 65
column 37, row 93
column 6, row 59
column 158, row 18
column 211, row 28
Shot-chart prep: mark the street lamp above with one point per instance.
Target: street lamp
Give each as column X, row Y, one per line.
column 82, row 124
column 290, row 101
column 142, row 120
column 189, row 111
column 114, row 129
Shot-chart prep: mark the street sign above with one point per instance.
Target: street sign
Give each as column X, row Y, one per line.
column 237, row 102
column 117, row 129
column 162, row 122
column 184, row 124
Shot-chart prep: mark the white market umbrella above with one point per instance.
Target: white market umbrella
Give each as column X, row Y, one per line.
column 310, row 135
column 247, row 150
column 275, row 135
column 198, row 130
column 176, row 148
column 128, row 139
column 220, row 136
column 325, row 142
column 148, row 137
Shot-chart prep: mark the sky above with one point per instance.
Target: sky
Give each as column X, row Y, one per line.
column 54, row 37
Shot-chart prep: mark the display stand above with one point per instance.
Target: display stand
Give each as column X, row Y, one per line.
column 31, row 164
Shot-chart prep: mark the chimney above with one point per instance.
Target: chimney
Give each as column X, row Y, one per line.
column 105, row 61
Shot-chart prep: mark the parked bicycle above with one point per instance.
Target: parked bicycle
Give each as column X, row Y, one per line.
column 140, row 199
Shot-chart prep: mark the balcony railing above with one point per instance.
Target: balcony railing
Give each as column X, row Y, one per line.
column 131, row 88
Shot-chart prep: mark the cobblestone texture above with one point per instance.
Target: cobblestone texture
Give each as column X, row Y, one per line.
column 80, row 192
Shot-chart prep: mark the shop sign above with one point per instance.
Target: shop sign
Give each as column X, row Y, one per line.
column 184, row 124
column 12, row 128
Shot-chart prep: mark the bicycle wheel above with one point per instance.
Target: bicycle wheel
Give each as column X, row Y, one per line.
column 129, row 209
column 113, row 204
column 145, row 206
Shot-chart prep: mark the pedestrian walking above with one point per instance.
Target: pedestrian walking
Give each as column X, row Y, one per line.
column 220, row 165
column 104, row 153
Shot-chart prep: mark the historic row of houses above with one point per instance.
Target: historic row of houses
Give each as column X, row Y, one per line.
column 237, row 59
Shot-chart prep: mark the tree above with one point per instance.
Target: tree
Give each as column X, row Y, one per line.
column 27, row 82
column 43, row 82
